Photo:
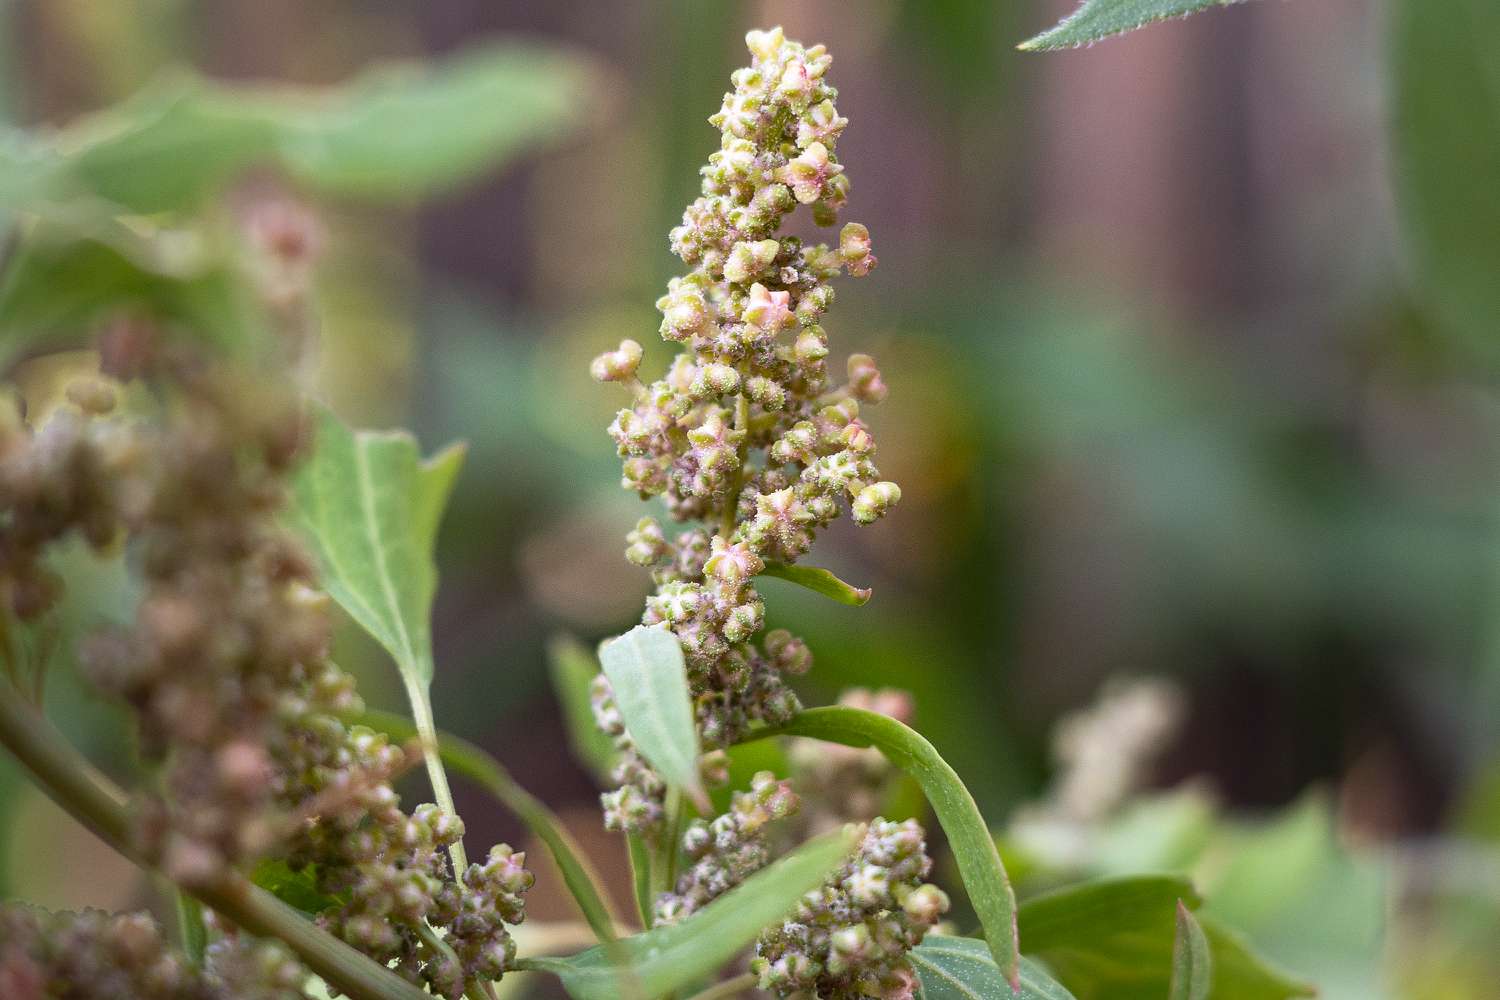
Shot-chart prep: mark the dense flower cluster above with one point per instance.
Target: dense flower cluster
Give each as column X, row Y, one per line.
column 745, row 433
column 728, row 850
column 98, row 956
column 225, row 667
column 849, row 939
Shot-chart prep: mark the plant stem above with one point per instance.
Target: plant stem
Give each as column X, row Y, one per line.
column 472, row 762
column 96, row 802
column 640, row 876
column 421, row 712
column 664, row 865
column 728, row 988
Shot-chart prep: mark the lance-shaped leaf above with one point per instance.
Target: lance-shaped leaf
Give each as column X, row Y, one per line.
column 956, row 968
column 369, row 507
column 666, row 959
column 819, row 581
column 649, row 677
column 1112, row 939
column 973, row 847
column 1098, row 19
column 1192, row 963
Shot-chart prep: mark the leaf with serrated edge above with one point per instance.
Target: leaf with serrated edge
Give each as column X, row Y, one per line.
column 369, row 507
column 819, row 581
column 649, row 677
column 1192, row 963
column 1098, row 19
column 955, row 968
column 973, row 848
column 666, row 959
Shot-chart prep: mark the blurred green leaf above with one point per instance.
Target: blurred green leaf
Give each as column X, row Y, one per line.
column 167, row 147
column 1447, row 156
column 1192, row 964
column 973, row 848
column 649, row 678
column 1098, row 19
column 60, row 282
column 393, row 131
column 668, row 958
column 957, row 968
column 400, row 130
column 819, row 581
column 573, row 670
column 1113, row 938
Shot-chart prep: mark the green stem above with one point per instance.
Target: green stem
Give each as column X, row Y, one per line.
column 192, row 933
column 640, row 877
column 421, row 711
column 76, row 785
column 737, row 481
column 472, row 762
column 728, row 988
column 664, row 865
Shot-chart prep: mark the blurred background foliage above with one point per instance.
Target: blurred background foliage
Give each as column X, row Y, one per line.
column 1192, row 345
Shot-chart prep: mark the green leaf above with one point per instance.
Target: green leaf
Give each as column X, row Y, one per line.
column 394, row 130
column 1098, row 19
column 819, row 581
column 369, row 508
column 666, row 959
column 1447, row 156
column 1113, row 938
column 61, row 281
column 472, row 762
column 1192, row 964
column 405, row 130
column 298, row 889
column 956, row 968
column 973, row 847
column 167, row 147
column 649, row 677
column 573, row 670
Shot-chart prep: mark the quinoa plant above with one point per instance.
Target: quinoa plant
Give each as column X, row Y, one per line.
column 248, row 515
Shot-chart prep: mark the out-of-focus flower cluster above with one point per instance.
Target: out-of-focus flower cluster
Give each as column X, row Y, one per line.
column 1104, row 752
column 849, row 939
column 99, row 956
column 746, row 433
column 840, row 783
column 225, row 666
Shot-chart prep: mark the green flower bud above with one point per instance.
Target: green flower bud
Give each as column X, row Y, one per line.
column 874, row 501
